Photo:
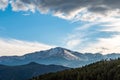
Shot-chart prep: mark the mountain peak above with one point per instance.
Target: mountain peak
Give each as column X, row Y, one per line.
column 58, row 48
column 65, row 53
column 33, row 63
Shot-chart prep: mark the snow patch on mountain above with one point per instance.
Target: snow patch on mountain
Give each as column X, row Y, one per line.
column 70, row 56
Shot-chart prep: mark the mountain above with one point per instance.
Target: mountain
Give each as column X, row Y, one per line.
column 24, row 72
column 57, row 56
column 102, row 70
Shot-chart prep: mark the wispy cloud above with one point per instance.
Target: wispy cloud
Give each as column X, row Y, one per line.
column 105, row 46
column 96, row 37
column 26, row 14
column 73, row 43
column 19, row 47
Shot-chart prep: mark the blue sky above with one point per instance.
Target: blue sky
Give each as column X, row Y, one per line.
column 34, row 27
column 27, row 26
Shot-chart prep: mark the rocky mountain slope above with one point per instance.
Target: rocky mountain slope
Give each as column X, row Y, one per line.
column 57, row 56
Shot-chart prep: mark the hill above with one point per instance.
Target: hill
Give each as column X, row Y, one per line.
column 57, row 56
column 27, row 71
column 102, row 70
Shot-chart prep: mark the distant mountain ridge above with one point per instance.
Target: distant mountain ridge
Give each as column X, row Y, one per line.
column 24, row 72
column 57, row 56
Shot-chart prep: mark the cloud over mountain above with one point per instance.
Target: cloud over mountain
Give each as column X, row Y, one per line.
column 19, row 47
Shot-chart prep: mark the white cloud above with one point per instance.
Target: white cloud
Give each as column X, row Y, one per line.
column 73, row 43
column 18, row 47
column 85, row 10
column 86, row 26
column 26, row 14
column 105, row 46
column 18, row 5
column 3, row 4
column 77, row 38
column 93, row 40
column 112, row 25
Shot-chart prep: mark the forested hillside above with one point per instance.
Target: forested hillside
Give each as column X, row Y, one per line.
column 102, row 70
